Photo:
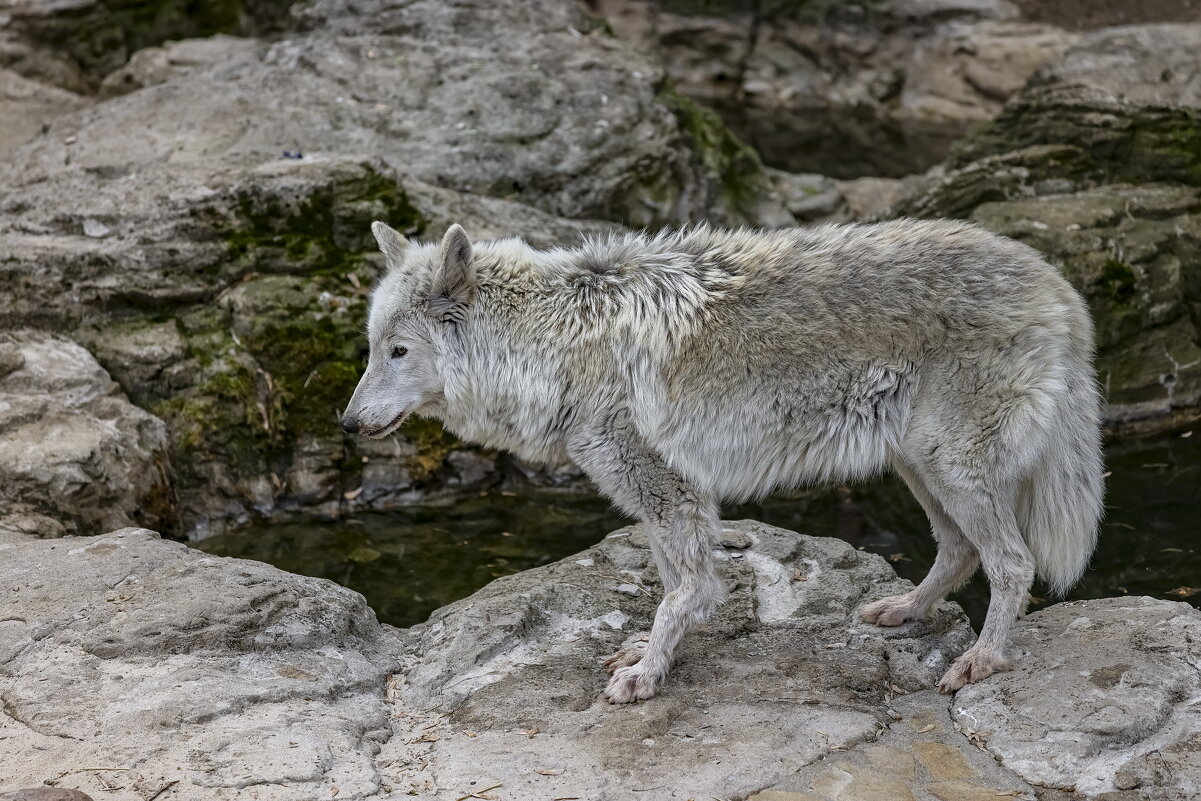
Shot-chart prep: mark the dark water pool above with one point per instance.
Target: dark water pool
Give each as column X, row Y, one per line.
column 410, row 562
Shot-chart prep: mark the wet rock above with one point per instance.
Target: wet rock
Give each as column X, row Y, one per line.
column 207, row 675
column 75, row 455
column 1102, row 699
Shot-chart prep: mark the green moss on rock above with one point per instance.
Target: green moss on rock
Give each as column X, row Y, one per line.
column 732, row 165
column 1124, row 143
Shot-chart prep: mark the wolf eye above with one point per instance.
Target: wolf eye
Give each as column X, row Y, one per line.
column 399, row 351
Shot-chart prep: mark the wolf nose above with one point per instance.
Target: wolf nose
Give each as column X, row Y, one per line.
column 350, row 424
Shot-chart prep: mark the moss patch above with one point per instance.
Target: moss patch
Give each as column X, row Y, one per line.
column 732, row 165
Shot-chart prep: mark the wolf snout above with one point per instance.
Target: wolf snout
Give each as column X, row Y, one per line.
column 350, row 424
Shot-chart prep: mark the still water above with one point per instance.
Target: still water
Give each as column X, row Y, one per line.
column 409, row 563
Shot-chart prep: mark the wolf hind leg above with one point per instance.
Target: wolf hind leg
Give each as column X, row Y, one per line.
column 954, row 564
column 989, row 522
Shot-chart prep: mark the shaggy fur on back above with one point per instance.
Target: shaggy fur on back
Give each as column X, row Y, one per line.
column 691, row 367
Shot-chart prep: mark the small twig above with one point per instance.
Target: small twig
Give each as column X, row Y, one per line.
column 163, row 789
column 476, row 793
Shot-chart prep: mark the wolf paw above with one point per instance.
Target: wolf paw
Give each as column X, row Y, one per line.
column 630, row 684
column 892, row 611
column 970, row 667
column 629, row 654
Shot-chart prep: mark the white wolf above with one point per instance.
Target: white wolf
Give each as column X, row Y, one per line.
column 696, row 366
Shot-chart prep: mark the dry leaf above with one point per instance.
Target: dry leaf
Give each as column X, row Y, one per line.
column 530, row 732
column 545, row 772
column 471, row 733
column 897, row 557
column 925, row 729
column 1184, row 592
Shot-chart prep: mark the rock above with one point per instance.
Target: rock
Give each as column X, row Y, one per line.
column 75, row 455
column 530, row 103
column 508, row 681
column 26, row 106
column 266, row 271
column 74, row 43
column 213, row 676
column 45, row 794
column 506, row 118
column 1127, row 97
column 1096, row 164
column 817, row 198
column 155, row 65
column 1102, row 699
column 849, row 92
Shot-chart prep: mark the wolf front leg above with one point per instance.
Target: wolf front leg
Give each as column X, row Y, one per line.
column 682, row 527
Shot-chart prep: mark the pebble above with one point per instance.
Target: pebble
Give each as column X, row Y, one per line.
column 629, row 589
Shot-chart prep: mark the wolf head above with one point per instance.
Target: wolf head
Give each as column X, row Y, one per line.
column 425, row 289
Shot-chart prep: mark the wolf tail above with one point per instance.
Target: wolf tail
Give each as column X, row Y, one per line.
column 1060, row 502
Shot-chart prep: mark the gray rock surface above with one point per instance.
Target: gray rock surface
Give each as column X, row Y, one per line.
column 781, row 676
column 135, row 668
column 75, row 455
column 1103, row 698
column 511, row 99
column 236, row 680
column 266, row 272
column 132, row 668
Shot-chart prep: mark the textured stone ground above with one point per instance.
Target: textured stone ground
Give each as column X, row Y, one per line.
column 134, row 668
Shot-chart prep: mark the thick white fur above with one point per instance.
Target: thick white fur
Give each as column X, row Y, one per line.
column 697, row 366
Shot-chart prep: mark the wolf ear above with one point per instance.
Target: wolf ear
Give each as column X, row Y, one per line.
column 453, row 287
column 391, row 243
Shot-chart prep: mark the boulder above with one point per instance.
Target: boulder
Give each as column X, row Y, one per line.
column 845, row 89
column 218, row 262
column 503, row 688
column 75, row 43
column 75, row 455
column 531, row 102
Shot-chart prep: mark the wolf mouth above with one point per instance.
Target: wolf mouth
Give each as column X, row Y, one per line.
column 380, row 433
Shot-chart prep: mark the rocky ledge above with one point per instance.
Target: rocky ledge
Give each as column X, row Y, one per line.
column 134, row 668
